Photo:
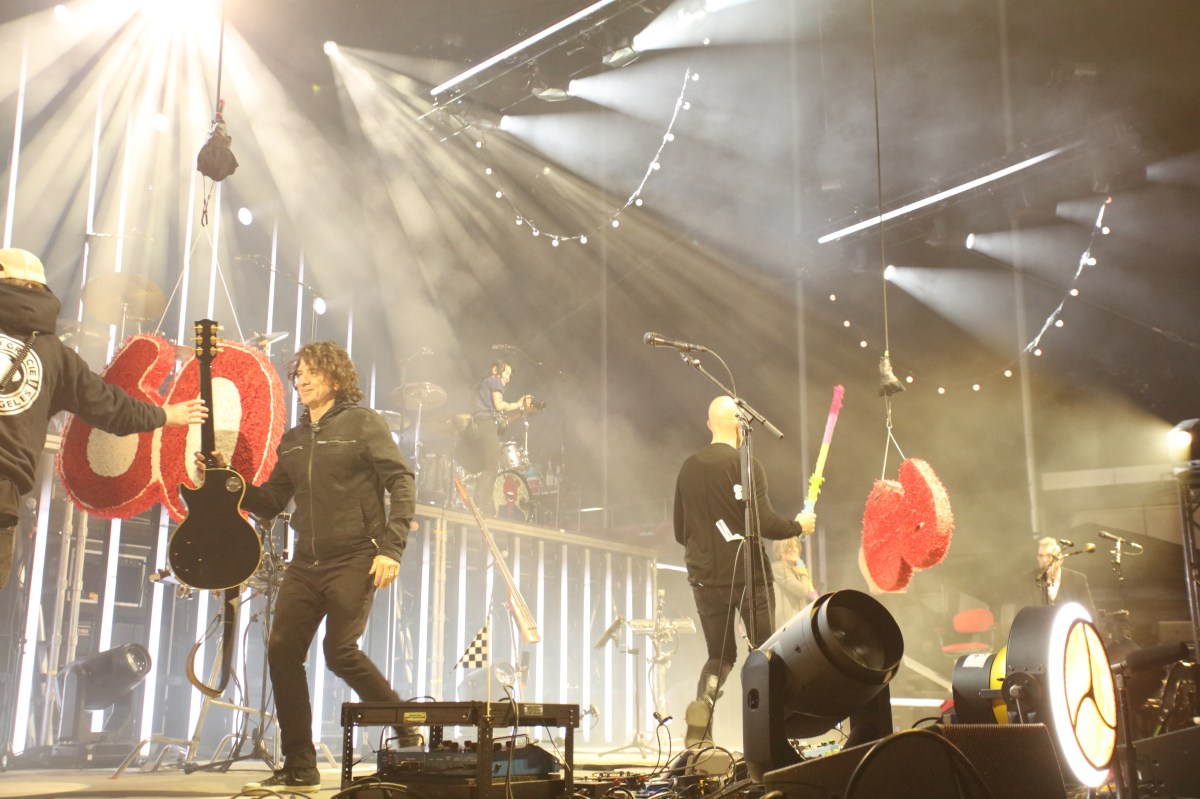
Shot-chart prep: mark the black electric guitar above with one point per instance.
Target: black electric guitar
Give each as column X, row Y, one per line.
column 215, row 546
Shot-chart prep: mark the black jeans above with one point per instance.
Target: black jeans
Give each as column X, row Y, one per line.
column 716, row 606
column 340, row 591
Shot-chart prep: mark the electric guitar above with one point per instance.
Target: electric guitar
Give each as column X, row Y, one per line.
column 504, row 417
column 526, row 623
column 215, row 546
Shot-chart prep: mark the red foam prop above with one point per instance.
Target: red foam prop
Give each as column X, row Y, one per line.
column 907, row 525
column 118, row 477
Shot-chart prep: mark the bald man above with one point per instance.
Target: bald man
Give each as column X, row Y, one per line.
column 709, row 523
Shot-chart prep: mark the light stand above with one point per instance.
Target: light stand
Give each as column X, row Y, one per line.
column 638, row 742
column 1187, row 475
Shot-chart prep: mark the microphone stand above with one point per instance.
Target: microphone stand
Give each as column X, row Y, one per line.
column 746, row 466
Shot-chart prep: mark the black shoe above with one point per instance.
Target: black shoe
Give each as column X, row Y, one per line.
column 407, row 737
column 299, row 780
column 699, row 722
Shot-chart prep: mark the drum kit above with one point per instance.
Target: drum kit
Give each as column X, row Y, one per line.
column 429, row 444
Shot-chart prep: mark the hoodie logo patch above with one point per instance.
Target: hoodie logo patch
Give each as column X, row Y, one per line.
column 25, row 383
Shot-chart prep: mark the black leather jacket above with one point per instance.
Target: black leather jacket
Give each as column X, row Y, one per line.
column 337, row 471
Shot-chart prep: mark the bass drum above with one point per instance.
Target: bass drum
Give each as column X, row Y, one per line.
column 510, row 493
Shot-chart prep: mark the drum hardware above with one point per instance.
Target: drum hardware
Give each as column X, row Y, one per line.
column 396, row 421
column 452, row 425
column 118, row 297
column 263, row 341
column 513, row 456
column 418, row 397
column 413, row 396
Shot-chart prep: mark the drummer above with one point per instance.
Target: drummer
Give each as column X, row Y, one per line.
column 480, row 450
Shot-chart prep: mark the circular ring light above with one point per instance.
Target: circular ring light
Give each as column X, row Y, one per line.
column 1058, row 674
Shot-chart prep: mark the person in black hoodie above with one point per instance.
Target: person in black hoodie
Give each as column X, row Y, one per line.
column 335, row 466
column 39, row 377
column 710, row 523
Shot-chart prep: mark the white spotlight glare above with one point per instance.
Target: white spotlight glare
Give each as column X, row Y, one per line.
column 583, row 239
column 616, row 223
column 1008, row 372
column 319, row 306
column 862, row 344
column 975, row 387
column 330, row 48
column 245, row 215
column 1058, row 323
column 1074, row 292
column 64, row 15
column 1091, row 261
column 889, row 272
column 970, row 241
column 161, row 123
column 833, row 298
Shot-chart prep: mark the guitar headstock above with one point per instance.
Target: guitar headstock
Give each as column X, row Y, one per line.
column 207, row 341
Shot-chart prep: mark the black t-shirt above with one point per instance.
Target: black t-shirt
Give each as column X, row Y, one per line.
column 708, row 498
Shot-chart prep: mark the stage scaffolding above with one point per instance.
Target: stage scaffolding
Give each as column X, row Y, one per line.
column 575, row 586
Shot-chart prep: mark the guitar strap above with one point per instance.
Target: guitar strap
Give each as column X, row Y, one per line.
column 228, row 639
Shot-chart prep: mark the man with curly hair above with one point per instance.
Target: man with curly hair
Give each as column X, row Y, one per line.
column 335, row 467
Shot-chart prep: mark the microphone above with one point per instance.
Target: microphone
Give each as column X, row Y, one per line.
column 503, row 347
column 1119, row 540
column 1088, row 549
column 1066, row 542
column 655, row 340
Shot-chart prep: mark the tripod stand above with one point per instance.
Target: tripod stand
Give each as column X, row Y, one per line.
column 264, row 582
column 640, row 740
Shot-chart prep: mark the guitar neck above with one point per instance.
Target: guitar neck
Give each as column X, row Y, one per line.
column 520, row 611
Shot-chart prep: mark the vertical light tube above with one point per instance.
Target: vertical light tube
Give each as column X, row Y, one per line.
column 632, row 662
column 154, row 633
column 606, row 654
column 460, row 622
column 564, row 626
column 423, row 626
column 107, row 598
column 197, row 699
column 585, row 652
column 18, row 128
column 539, row 664
column 32, row 614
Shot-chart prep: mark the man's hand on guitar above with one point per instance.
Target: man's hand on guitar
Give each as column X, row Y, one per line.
column 808, row 522
column 182, row 414
column 218, row 461
column 385, row 569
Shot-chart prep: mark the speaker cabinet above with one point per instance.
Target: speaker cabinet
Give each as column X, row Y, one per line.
column 1014, row 761
column 1168, row 763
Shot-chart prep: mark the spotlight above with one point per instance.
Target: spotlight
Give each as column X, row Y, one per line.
column 319, row 306
column 330, row 48
column 970, row 243
column 1056, row 672
column 245, row 215
column 105, row 680
column 621, row 56
column 1185, row 449
column 551, row 94
column 832, row 660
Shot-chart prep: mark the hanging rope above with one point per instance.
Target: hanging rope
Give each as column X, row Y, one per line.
column 888, row 384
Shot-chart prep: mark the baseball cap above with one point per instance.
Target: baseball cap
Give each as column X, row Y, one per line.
column 21, row 265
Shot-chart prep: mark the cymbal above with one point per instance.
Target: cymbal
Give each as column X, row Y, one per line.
column 264, row 340
column 114, row 297
column 396, row 421
column 449, row 425
column 183, row 352
column 411, row 395
column 73, row 329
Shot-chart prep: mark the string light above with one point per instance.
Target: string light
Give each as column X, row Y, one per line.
column 634, row 199
column 1054, row 320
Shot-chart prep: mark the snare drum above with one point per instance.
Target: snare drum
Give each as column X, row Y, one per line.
column 510, row 493
column 513, row 456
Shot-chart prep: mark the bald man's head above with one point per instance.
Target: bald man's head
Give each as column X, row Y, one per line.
column 723, row 421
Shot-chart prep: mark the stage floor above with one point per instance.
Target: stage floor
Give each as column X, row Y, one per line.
column 171, row 782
